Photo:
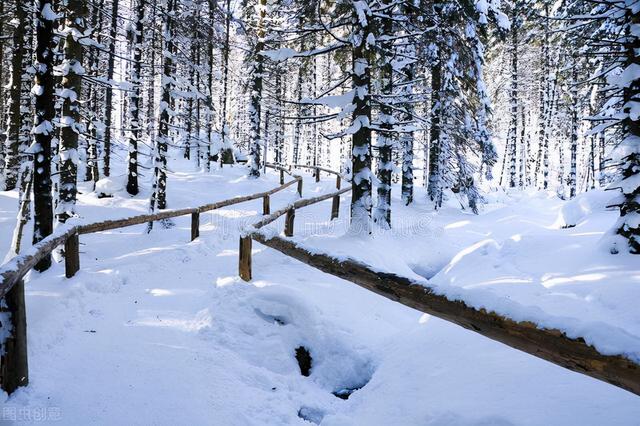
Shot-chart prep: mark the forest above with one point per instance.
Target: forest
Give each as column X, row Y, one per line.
column 486, row 149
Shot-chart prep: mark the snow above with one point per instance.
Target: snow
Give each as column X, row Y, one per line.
column 158, row 330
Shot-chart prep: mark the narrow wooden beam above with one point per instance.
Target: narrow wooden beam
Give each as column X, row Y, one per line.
column 300, row 187
column 281, row 177
column 14, row 369
column 338, row 181
column 195, row 225
column 244, row 265
column 288, row 222
column 266, row 208
column 335, row 207
column 71, row 255
column 317, row 174
column 549, row 344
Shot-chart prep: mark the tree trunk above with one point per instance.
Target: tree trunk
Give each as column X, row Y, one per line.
column 43, row 128
column 386, row 137
column 226, row 151
column 75, row 12
column 12, row 142
column 134, row 100
column 158, row 195
column 113, row 33
column 255, row 141
column 361, row 124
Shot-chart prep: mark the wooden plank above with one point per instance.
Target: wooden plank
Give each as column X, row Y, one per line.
column 549, row 344
column 297, row 205
column 266, row 209
column 71, row 255
column 244, row 265
column 14, row 369
column 288, row 222
column 195, row 225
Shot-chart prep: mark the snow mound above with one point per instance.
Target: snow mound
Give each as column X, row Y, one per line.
column 108, row 186
column 575, row 211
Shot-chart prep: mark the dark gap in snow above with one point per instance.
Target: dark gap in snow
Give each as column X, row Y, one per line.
column 567, row 226
column 312, row 415
column 304, row 360
column 345, row 393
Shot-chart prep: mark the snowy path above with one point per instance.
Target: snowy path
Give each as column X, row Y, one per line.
column 156, row 330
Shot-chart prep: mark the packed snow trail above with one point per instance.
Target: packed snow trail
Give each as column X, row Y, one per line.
column 155, row 330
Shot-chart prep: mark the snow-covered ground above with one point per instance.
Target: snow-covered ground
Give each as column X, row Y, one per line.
column 155, row 329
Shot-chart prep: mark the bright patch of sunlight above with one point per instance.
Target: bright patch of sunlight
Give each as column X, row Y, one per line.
column 458, row 224
column 160, row 292
column 577, row 278
column 178, row 320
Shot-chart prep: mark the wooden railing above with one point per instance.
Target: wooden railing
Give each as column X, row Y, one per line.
column 13, row 362
column 552, row 345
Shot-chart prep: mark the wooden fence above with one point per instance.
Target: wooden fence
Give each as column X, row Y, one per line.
column 549, row 344
column 13, row 361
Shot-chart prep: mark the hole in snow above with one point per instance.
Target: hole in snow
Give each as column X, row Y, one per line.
column 345, row 393
column 304, row 360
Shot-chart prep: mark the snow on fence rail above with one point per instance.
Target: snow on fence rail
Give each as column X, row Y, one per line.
column 13, row 352
column 550, row 344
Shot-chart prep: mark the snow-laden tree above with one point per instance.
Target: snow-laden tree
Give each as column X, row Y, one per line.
column 618, row 42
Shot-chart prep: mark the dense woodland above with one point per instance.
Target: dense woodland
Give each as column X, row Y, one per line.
column 458, row 96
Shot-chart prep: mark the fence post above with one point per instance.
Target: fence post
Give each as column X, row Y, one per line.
column 266, row 209
column 71, row 255
column 335, row 207
column 195, row 225
column 300, row 187
column 14, row 369
column 281, row 177
column 244, row 266
column 338, row 182
column 288, row 222
column 317, row 174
